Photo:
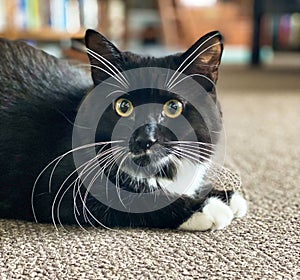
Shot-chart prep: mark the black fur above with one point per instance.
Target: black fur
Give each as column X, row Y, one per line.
column 39, row 99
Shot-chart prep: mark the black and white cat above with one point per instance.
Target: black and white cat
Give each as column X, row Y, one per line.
column 130, row 149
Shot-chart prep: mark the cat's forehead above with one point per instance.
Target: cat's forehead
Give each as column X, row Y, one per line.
column 149, row 95
column 132, row 60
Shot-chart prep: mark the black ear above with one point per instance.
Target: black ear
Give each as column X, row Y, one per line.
column 104, row 56
column 204, row 56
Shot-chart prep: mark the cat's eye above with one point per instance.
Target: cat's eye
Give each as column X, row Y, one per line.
column 173, row 108
column 123, row 107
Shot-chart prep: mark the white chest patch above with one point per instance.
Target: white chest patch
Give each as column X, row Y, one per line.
column 188, row 179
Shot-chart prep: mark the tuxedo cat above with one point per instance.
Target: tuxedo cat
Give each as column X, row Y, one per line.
column 128, row 148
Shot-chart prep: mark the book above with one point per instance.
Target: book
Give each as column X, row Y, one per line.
column 32, row 14
column 89, row 13
column 3, row 15
column 72, row 16
column 58, row 15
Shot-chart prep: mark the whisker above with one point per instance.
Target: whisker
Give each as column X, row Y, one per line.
column 56, row 161
column 109, row 171
column 194, row 152
column 116, row 91
column 192, row 155
column 78, row 178
column 208, row 164
column 188, row 76
column 112, row 67
column 111, row 75
column 63, row 194
column 165, row 85
column 216, row 174
column 60, row 158
column 109, row 65
column 195, row 143
column 70, row 122
column 110, row 158
column 114, row 85
column 197, row 148
column 178, row 71
column 92, row 166
column 89, row 66
column 83, row 200
column 106, row 62
column 118, row 180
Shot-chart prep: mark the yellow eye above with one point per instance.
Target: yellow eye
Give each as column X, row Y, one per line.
column 173, row 108
column 124, row 107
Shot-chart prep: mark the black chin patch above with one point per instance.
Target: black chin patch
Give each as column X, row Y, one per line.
column 143, row 160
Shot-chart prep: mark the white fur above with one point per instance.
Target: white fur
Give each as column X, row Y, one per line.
column 188, row 179
column 198, row 221
column 238, row 205
column 216, row 214
column 152, row 183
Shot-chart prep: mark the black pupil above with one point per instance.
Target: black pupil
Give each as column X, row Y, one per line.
column 124, row 106
column 173, row 107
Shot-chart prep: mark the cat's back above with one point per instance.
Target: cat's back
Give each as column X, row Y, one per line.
column 39, row 97
column 27, row 72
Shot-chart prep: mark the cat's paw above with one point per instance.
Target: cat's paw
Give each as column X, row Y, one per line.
column 216, row 214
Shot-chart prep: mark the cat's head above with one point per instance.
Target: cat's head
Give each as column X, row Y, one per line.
column 175, row 116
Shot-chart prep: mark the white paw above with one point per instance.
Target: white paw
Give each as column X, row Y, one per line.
column 216, row 214
column 238, row 205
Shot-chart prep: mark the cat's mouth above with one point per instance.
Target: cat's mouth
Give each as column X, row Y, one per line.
column 147, row 163
column 142, row 159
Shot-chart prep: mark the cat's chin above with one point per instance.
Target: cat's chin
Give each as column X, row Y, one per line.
column 142, row 160
column 146, row 165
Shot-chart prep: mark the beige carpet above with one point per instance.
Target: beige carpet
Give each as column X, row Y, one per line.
column 262, row 117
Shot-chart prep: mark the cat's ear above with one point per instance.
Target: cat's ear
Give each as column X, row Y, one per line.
column 104, row 56
column 204, row 56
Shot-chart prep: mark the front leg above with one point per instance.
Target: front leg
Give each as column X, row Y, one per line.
column 218, row 210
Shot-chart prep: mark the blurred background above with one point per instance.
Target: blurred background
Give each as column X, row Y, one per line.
column 255, row 32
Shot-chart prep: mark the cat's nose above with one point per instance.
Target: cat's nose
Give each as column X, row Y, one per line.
column 143, row 143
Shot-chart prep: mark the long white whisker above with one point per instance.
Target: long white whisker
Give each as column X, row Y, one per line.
column 89, row 66
column 191, row 56
column 74, row 150
column 193, row 152
column 78, row 178
column 109, row 171
column 115, row 91
column 216, row 173
column 190, row 142
column 172, row 80
column 70, row 185
column 86, row 210
column 191, row 157
column 109, row 65
column 118, row 178
column 165, row 85
column 110, row 158
column 200, row 150
column 58, row 159
column 91, row 167
column 117, row 71
column 111, row 75
column 199, row 75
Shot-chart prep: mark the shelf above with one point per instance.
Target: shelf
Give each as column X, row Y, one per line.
column 44, row 34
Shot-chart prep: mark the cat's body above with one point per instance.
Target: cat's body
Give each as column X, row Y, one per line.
column 40, row 100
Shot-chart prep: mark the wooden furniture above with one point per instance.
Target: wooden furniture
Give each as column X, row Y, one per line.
column 182, row 25
column 45, row 31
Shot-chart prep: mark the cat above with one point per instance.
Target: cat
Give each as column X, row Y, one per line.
column 121, row 145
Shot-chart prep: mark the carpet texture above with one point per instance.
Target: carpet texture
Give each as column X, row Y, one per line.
column 262, row 119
